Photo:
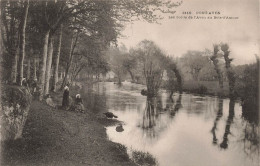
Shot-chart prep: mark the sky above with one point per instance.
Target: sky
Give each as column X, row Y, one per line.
column 177, row 36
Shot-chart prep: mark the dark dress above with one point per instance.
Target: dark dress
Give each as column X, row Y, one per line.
column 79, row 105
column 78, row 101
column 65, row 99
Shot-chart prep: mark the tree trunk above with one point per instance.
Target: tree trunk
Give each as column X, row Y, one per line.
column 57, row 60
column 132, row 76
column 72, row 47
column 48, row 65
column 179, row 79
column 218, row 71
column 230, row 72
column 28, row 69
column 10, row 37
column 43, row 63
column 64, row 82
column 216, row 66
column 22, row 42
column 34, row 68
column 14, row 66
column 61, row 74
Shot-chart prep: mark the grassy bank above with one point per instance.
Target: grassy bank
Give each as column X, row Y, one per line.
column 202, row 88
column 57, row 137
column 206, row 88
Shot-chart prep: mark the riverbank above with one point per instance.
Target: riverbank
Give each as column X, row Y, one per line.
column 210, row 88
column 57, row 137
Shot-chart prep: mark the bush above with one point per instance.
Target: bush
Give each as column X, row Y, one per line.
column 249, row 92
column 202, row 89
column 15, row 104
column 143, row 158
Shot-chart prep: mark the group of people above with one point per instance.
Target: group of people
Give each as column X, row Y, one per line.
column 68, row 104
column 77, row 105
column 67, row 101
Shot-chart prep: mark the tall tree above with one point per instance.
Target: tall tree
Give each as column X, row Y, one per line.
column 11, row 12
column 73, row 44
column 153, row 68
column 229, row 69
column 50, row 20
column 116, row 58
column 48, row 64
column 129, row 64
column 174, row 81
column 57, row 60
column 215, row 61
column 194, row 61
column 22, row 42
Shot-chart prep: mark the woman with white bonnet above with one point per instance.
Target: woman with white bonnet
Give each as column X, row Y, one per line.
column 65, row 99
column 79, row 103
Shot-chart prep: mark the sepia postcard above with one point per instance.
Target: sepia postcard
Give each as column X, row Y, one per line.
column 130, row 82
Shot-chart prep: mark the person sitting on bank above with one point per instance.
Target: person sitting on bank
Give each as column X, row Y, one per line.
column 79, row 104
column 24, row 82
column 66, row 98
column 34, row 85
column 49, row 101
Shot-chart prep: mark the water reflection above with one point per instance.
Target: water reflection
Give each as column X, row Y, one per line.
column 176, row 130
column 154, row 109
column 219, row 115
column 95, row 98
column 231, row 114
column 177, row 106
column 251, row 135
column 150, row 113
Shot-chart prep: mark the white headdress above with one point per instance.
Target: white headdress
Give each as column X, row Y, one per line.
column 77, row 95
column 66, row 88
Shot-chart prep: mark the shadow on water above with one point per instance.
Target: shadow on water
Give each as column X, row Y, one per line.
column 96, row 102
column 251, row 139
column 182, row 122
column 251, row 133
column 151, row 113
column 224, row 144
column 153, row 110
column 177, row 106
column 251, row 114
column 218, row 117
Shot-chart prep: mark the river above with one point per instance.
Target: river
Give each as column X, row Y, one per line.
column 188, row 130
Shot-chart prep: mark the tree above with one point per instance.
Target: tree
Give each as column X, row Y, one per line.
column 116, row 59
column 22, row 42
column 230, row 71
column 174, row 81
column 214, row 58
column 208, row 73
column 57, row 61
column 248, row 89
column 194, row 61
column 51, row 16
column 130, row 63
column 100, row 20
column 152, row 58
column 11, row 13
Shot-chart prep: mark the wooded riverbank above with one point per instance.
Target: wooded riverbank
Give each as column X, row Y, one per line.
column 57, row 137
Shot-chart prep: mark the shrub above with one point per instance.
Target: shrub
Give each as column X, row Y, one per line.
column 15, row 103
column 143, row 158
column 202, row 89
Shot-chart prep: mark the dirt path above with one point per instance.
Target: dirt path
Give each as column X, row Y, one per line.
column 58, row 137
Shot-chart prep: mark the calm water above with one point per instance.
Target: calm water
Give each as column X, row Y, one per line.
column 187, row 130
